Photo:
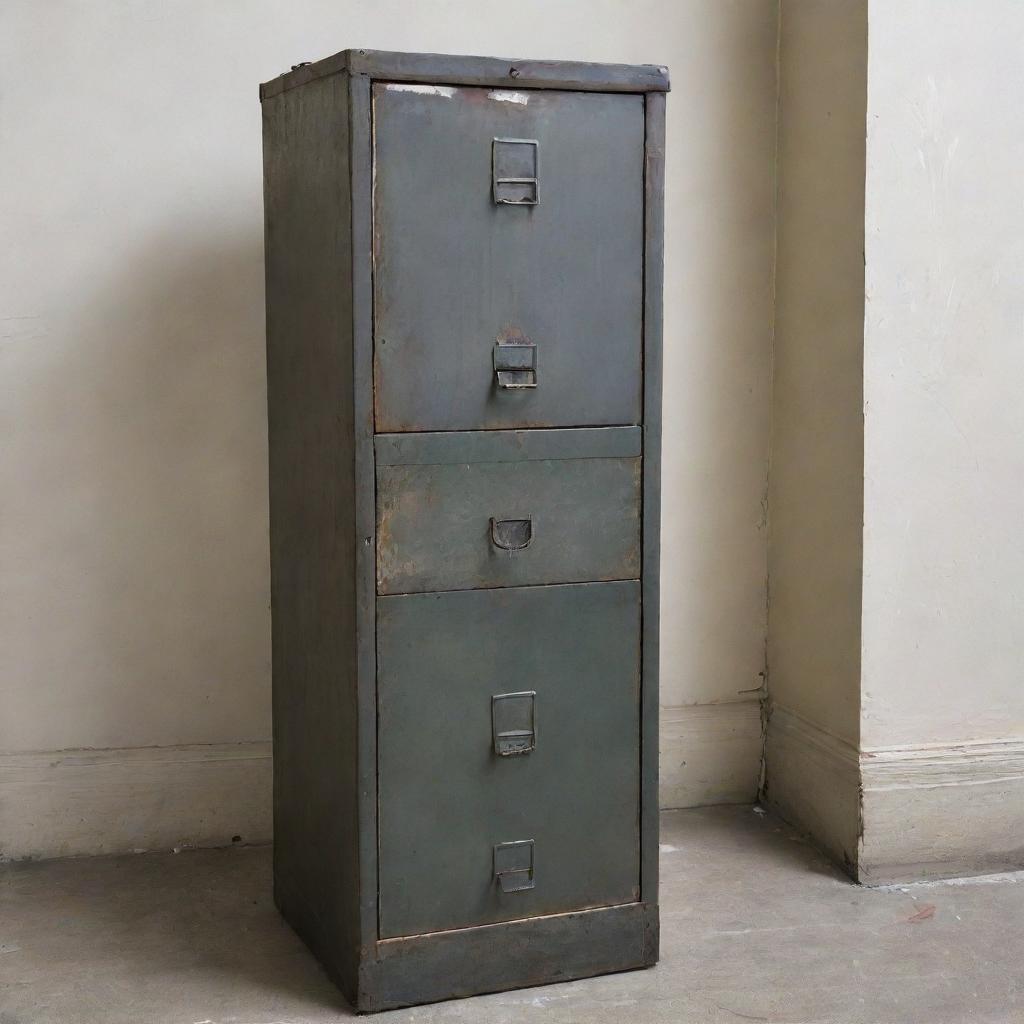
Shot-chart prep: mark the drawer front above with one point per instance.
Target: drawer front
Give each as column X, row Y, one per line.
column 462, row 267
column 471, row 836
column 460, row 525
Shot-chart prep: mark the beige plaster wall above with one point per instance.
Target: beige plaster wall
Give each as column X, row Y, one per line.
column 897, row 728
column 816, row 487
column 942, row 725
column 133, row 538
column 943, row 366
column 815, row 498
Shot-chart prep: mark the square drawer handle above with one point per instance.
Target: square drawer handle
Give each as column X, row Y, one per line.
column 515, row 364
column 515, row 172
column 514, row 722
column 513, row 865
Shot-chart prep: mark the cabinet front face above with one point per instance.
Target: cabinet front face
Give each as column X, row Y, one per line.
column 508, row 754
column 508, row 258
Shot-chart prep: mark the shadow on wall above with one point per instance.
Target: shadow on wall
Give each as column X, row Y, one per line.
column 141, row 567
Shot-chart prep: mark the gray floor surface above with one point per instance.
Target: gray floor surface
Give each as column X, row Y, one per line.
column 756, row 926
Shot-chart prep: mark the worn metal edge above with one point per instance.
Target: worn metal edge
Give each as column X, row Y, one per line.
column 519, row 586
column 476, row 71
column 466, row 446
column 812, row 778
column 364, row 539
column 516, row 954
column 301, row 916
column 654, row 228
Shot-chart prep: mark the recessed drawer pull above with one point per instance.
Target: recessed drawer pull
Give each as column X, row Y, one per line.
column 515, row 364
column 514, row 722
column 515, row 170
column 513, row 865
column 511, row 534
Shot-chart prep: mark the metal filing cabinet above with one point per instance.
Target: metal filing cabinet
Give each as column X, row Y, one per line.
column 464, row 263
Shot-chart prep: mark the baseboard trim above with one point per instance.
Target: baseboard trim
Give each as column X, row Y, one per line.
column 710, row 754
column 969, row 763
column 942, row 810
column 900, row 814
column 69, row 803
column 77, row 802
column 812, row 778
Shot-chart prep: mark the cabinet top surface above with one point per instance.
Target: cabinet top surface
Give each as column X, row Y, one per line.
column 466, row 70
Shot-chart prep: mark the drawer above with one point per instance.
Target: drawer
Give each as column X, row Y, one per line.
column 469, row 835
column 507, row 508
column 460, row 271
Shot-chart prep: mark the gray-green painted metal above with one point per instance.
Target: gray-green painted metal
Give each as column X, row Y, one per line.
column 446, row 800
column 507, row 445
column 456, row 272
column 434, row 523
column 318, row 161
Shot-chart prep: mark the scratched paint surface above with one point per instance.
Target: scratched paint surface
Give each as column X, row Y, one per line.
column 454, row 271
column 433, row 523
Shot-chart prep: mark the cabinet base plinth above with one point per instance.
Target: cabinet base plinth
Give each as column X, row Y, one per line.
column 519, row 954
column 492, row 958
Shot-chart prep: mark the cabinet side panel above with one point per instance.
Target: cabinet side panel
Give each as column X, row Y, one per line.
column 654, row 259
column 312, row 510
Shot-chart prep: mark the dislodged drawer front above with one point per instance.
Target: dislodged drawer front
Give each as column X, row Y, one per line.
column 508, row 754
column 507, row 508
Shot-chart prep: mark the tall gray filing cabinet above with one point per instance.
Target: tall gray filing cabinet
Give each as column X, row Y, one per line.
column 464, row 273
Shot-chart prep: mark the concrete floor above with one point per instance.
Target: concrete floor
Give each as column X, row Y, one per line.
column 756, row 926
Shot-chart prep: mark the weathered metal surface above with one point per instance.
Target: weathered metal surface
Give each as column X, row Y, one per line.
column 360, row 243
column 459, row 70
column 318, row 136
column 310, row 392
column 507, row 446
column 446, row 798
column 504, row 524
column 537, row 951
column 654, row 230
column 455, row 273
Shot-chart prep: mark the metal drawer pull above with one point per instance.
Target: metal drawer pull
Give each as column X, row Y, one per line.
column 513, row 865
column 515, row 172
column 514, row 722
column 515, row 364
column 511, row 534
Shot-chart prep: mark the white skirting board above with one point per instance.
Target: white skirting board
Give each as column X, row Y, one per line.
column 813, row 779
column 900, row 814
column 927, row 812
column 940, row 811
column 710, row 754
column 70, row 803
column 75, row 802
